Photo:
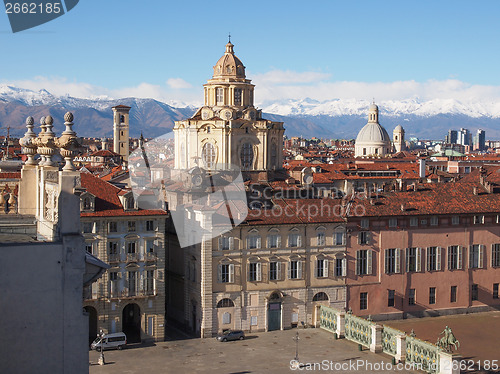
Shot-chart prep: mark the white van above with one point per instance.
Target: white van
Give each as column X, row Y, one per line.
column 116, row 340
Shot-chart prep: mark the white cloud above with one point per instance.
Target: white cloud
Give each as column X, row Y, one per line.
column 178, row 83
column 289, row 76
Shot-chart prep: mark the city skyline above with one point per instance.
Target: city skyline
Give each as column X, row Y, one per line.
column 322, row 51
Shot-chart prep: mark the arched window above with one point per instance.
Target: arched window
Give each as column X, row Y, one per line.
column 246, row 156
column 208, row 155
column 320, row 296
column 87, row 205
column 225, row 303
column 122, row 119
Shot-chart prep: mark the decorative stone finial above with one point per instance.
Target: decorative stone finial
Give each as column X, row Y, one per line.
column 28, row 142
column 45, row 141
column 68, row 143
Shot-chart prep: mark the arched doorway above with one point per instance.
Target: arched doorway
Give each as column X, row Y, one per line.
column 274, row 312
column 131, row 323
column 92, row 312
column 320, row 298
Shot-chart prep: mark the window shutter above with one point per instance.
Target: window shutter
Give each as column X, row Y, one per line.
column 460, row 257
column 141, row 281
column 220, row 244
column 299, row 269
column 231, row 273
column 316, row 268
column 449, row 258
column 439, row 252
column 231, row 242
column 368, row 237
column 258, row 242
column 359, row 238
column 344, row 267
column 397, row 261
column 418, row 265
column 278, row 270
column 480, row 256
column 278, row 241
column 386, row 265
column 259, row 272
column 325, row 274
column 369, row 261
column 219, row 273
column 357, row 262
column 289, row 269
column 299, row 241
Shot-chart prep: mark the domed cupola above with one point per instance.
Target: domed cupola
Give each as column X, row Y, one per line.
column 229, row 66
column 372, row 139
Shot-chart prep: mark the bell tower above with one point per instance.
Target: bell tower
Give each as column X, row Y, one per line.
column 228, row 130
column 121, row 131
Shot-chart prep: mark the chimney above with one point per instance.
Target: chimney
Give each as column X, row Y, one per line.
column 403, row 207
column 474, row 190
column 421, row 168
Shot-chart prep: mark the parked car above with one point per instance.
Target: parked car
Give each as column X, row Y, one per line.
column 115, row 340
column 231, row 335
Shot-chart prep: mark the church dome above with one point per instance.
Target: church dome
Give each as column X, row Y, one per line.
column 229, row 66
column 398, row 128
column 373, row 107
column 372, row 132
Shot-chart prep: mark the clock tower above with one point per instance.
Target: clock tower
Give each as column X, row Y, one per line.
column 228, row 130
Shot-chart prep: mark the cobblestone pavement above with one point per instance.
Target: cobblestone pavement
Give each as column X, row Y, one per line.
column 267, row 352
column 478, row 334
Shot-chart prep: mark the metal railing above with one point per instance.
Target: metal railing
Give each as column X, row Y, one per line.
column 423, row 353
column 389, row 340
column 328, row 318
column 358, row 329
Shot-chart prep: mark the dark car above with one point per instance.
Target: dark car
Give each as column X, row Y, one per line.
column 231, row 335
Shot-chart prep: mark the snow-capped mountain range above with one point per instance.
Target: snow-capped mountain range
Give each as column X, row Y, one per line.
column 337, row 118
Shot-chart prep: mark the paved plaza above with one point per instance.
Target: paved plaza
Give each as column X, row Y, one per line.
column 267, row 352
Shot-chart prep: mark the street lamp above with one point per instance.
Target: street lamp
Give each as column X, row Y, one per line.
column 101, row 355
column 296, row 338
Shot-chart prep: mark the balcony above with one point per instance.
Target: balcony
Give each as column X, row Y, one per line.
column 151, row 256
column 132, row 257
column 114, row 258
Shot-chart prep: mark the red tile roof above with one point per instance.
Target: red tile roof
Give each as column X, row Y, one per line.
column 107, row 202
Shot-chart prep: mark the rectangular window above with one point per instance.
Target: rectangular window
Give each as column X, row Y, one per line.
column 475, row 256
column 363, row 262
column 340, row 267
column 474, row 292
column 413, row 221
column 363, row 300
column 495, row 255
column 390, row 297
column 321, row 268
column 453, row 294
column 273, row 241
column 150, row 226
column 253, row 242
column 132, row 283
column 478, row 220
column 295, row 269
column 88, row 247
column 495, row 290
column 113, row 226
column 432, row 295
column 411, row 296
column 433, row 258
column 393, row 222
column 339, row 238
column 320, row 238
column 413, row 259
column 150, row 282
column 237, row 96
column 455, row 220
column 254, row 273
column 365, row 223
column 294, row 240
column 226, row 272
column 225, row 243
column 434, row 221
column 392, row 261
column 87, row 227
column 149, row 246
column 131, row 226
column 363, row 237
column 454, row 257
column 274, row 270
column 220, row 95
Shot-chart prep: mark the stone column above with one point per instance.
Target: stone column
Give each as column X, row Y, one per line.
column 376, row 344
column 400, row 348
column 449, row 363
column 341, row 325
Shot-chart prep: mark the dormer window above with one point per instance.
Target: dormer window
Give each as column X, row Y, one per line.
column 87, row 202
column 130, row 203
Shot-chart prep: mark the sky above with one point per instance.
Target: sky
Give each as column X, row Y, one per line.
column 386, row 50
